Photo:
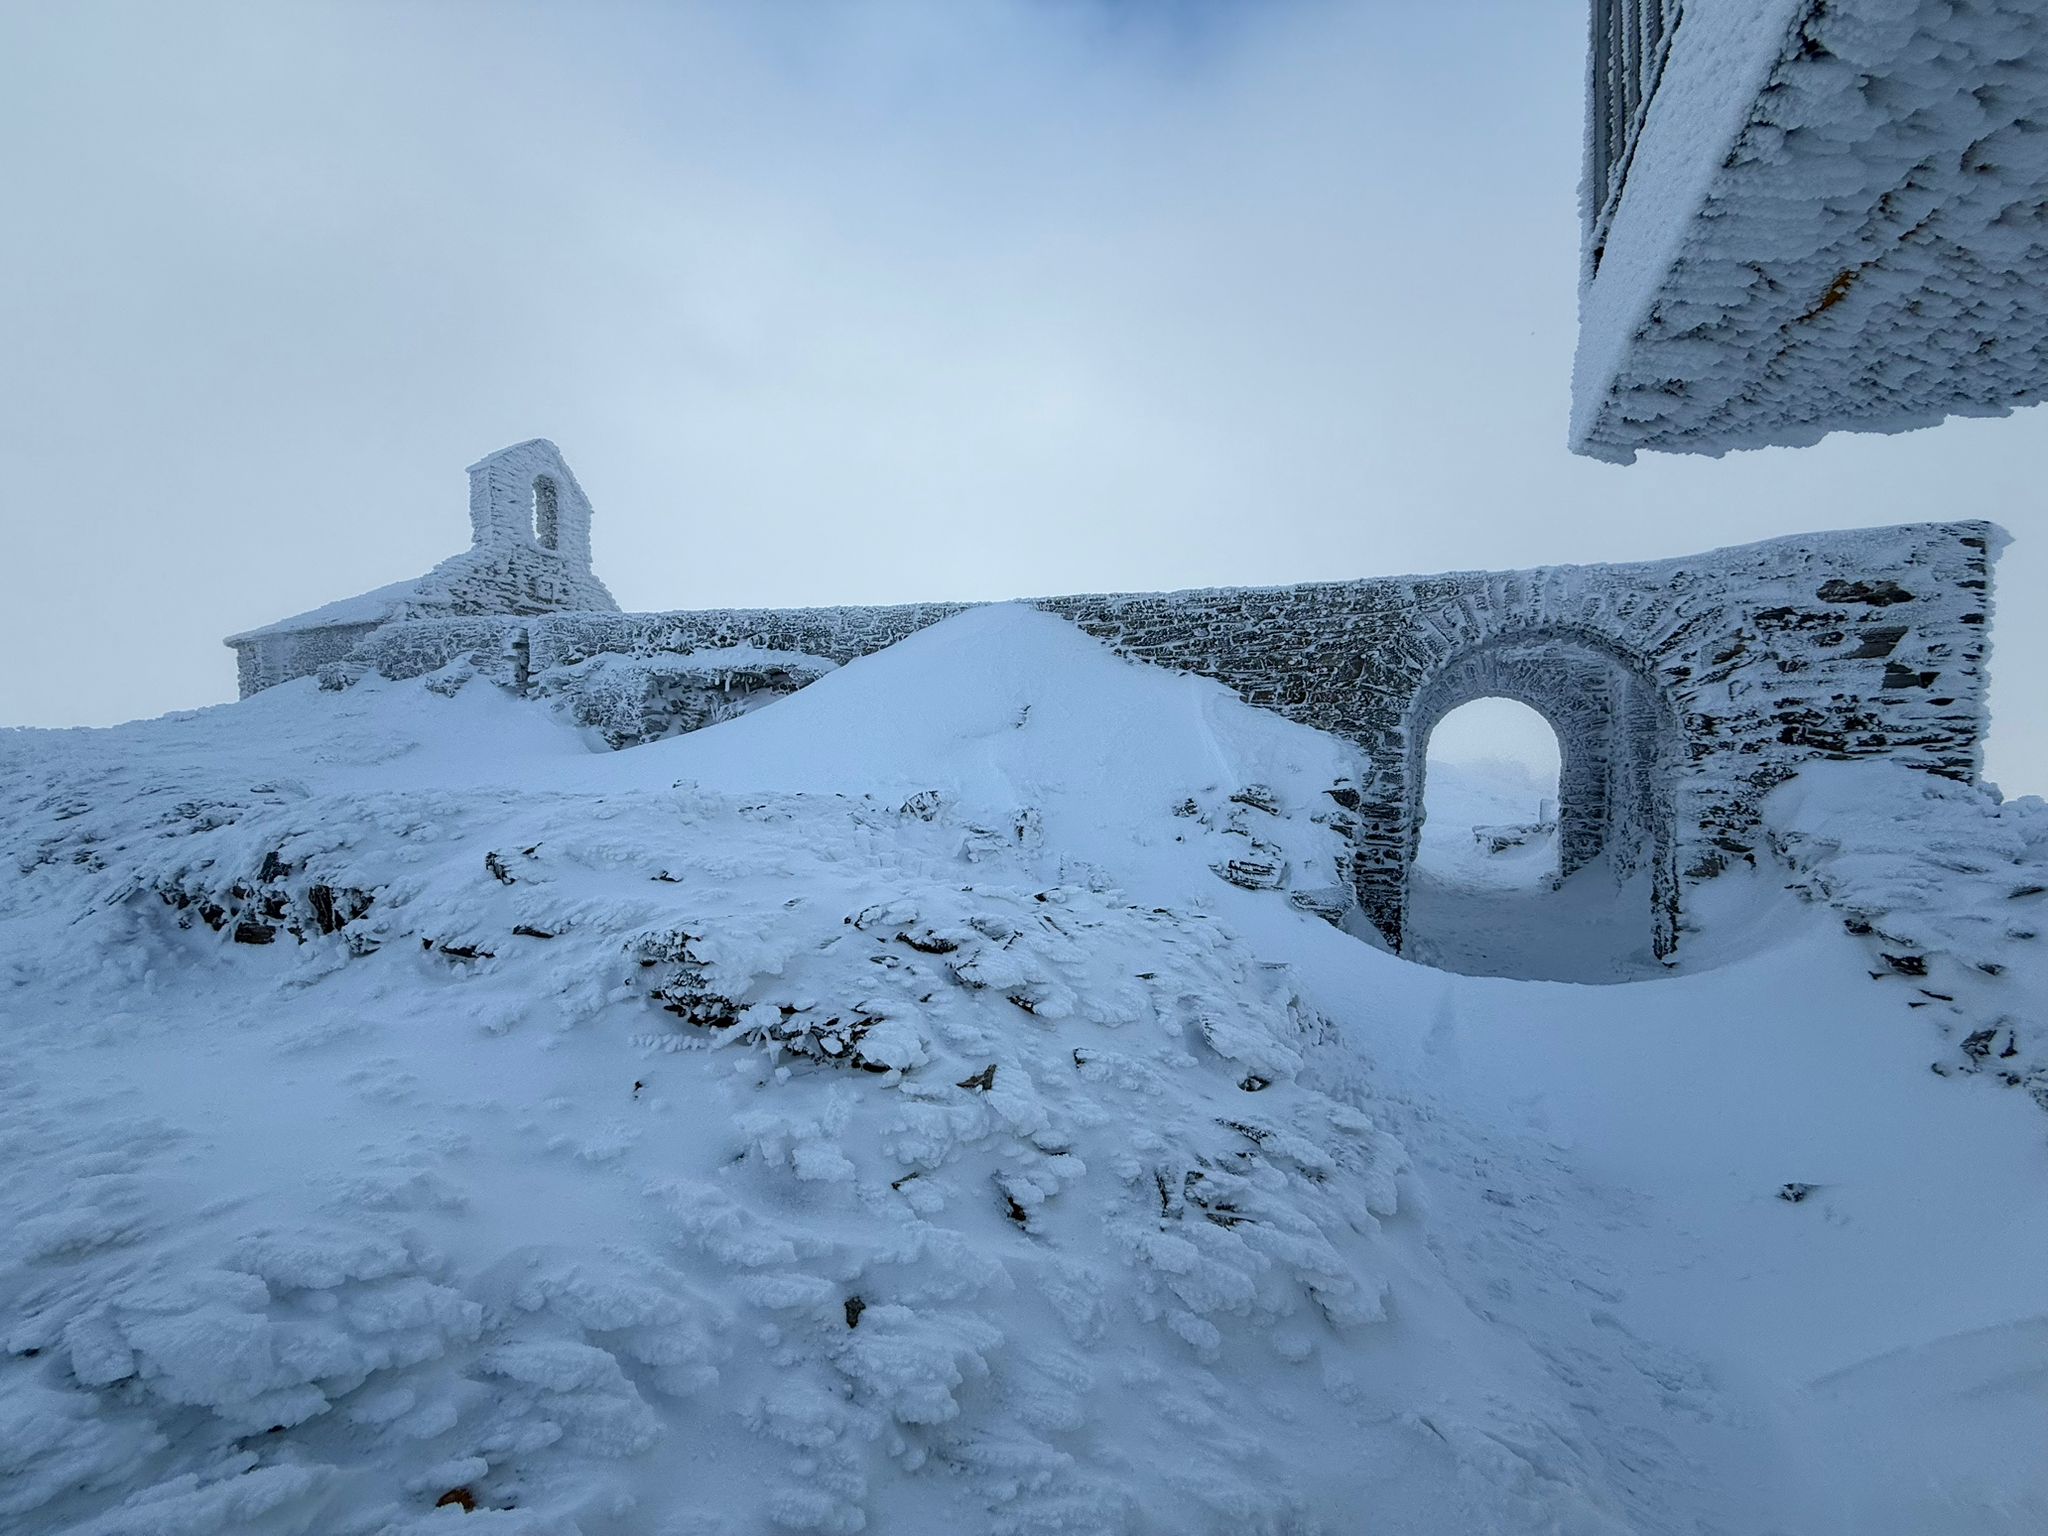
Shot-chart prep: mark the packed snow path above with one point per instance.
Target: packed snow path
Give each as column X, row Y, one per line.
column 876, row 1113
column 1589, row 929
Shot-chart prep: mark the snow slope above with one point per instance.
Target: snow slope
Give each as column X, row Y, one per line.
column 874, row 1112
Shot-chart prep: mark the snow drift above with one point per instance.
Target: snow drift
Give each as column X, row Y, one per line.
column 852, row 1150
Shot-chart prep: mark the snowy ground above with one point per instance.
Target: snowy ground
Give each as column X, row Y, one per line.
column 876, row 1113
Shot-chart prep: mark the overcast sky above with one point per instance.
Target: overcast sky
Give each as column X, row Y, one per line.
column 830, row 303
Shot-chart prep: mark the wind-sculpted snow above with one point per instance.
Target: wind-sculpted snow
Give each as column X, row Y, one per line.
column 616, row 1157
column 1949, row 888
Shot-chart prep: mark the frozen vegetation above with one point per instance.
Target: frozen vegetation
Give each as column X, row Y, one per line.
column 946, row 1100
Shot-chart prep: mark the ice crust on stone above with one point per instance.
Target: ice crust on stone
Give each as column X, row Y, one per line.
column 1833, row 219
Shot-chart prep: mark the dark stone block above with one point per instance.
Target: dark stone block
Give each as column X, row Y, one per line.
column 1880, row 593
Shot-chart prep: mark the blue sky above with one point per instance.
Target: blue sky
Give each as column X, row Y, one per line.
column 831, row 302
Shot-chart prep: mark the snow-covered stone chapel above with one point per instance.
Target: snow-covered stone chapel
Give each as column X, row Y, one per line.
column 529, row 553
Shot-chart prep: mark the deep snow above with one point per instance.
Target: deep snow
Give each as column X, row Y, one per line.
column 633, row 1161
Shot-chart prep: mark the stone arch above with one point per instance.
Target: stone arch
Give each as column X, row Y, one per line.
column 1618, row 747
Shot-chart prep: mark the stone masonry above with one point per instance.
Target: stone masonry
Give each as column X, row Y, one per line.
column 1681, row 690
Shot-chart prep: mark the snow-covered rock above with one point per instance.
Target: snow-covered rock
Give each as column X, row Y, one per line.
column 632, row 700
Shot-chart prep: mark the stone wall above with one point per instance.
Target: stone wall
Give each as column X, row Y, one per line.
column 1681, row 690
column 265, row 660
column 837, row 634
column 1728, row 669
column 494, row 646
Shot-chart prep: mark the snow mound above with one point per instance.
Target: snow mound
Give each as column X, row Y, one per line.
column 1006, row 712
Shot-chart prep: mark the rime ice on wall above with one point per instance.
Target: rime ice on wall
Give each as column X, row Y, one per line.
column 1681, row 690
column 530, row 541
column 1830, row 214
column 632, row 700
column 836, row 634
column 529, row 553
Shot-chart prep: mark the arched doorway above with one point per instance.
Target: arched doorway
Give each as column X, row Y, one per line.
column 1489, row 801
column 1603, row 904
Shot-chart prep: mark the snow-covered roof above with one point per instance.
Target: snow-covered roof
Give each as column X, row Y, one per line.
column 1829, row 216
column 365, row 608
